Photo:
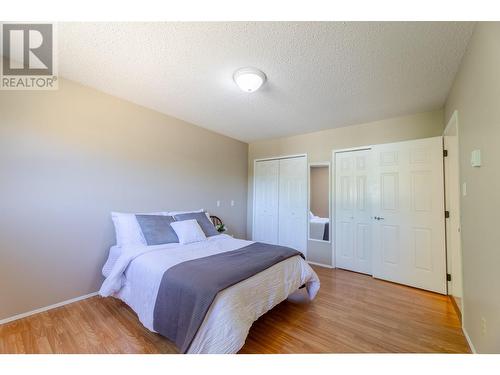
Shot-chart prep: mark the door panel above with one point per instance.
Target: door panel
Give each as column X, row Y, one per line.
column 421, row 191
column 390, row 245
column 361, row 193
column 389, row 189
column 346, row 191
column 409, row 246
column 292, row 230
column 353, row 211
column 265, row 226
column 346, row 240
column 363, row 241
column 422, row 248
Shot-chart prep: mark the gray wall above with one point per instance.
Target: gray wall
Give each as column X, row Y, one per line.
column 319, row 145
column 476, row 97
column 69, row 157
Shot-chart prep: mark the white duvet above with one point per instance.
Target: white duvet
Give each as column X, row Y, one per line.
column 134, row 274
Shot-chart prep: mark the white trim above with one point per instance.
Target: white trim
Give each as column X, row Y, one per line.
column 453, row 127
column 313, row 240
column 448, row 130
column 320, row 264
column 46, row 308
column 469, row 341
column 280, row 157
column 319, row 164
column 361, row 148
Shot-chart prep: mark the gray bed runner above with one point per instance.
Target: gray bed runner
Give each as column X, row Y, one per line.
column 188, row 289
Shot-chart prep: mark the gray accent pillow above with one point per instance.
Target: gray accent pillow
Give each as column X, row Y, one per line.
column 202, row 219
column 156, row 229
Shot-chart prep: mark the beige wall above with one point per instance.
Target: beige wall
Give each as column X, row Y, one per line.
column 69, row 157
column 319, row 146
column 319, row 184
column 476, row 97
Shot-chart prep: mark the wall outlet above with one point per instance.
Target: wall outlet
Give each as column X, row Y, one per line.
column 483, row 326
column 218, row 203
column 232, row 203
column 464, row 189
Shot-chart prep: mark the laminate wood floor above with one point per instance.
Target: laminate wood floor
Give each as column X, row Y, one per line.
column 352, row 313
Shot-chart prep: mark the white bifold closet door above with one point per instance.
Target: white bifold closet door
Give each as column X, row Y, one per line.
column 353, row 222
column 265, row 223
column 408, row 212
column 280, row 206
column 292, row 230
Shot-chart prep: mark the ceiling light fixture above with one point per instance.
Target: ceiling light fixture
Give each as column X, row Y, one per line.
column 249, row 79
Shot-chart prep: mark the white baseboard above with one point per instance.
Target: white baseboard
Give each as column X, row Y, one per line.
column 46, row 308
column 320, row 264
column 469, row 341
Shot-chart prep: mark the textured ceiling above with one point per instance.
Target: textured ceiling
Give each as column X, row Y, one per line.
column 320, row 75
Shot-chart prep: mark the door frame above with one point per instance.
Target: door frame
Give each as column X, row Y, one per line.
column 253, row 186
column 333, row 192
column 453, row 126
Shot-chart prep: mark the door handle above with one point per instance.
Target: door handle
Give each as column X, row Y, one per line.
column 378, row 218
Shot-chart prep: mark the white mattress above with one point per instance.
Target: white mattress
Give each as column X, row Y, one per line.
column 136, row 274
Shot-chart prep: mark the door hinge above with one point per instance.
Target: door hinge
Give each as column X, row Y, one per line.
column 447, row 214
column 445, row 153
column 448, row 277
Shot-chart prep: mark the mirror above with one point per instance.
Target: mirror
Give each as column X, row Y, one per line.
column 319, row 201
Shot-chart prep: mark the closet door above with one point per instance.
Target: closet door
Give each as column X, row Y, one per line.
column 353, row 233
column 293, row 203
column 265, row 223
column 409, row 236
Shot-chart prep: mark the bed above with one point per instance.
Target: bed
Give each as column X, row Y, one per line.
column 319, row 228
column 135, row 274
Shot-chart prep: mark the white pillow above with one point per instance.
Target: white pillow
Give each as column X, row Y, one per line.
column 127, row 229
column 188, row 231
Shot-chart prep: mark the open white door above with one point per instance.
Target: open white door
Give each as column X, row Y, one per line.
column 353, row 233
column 408, row 214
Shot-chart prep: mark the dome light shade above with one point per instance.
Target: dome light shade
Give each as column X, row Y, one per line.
column 249, row 79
